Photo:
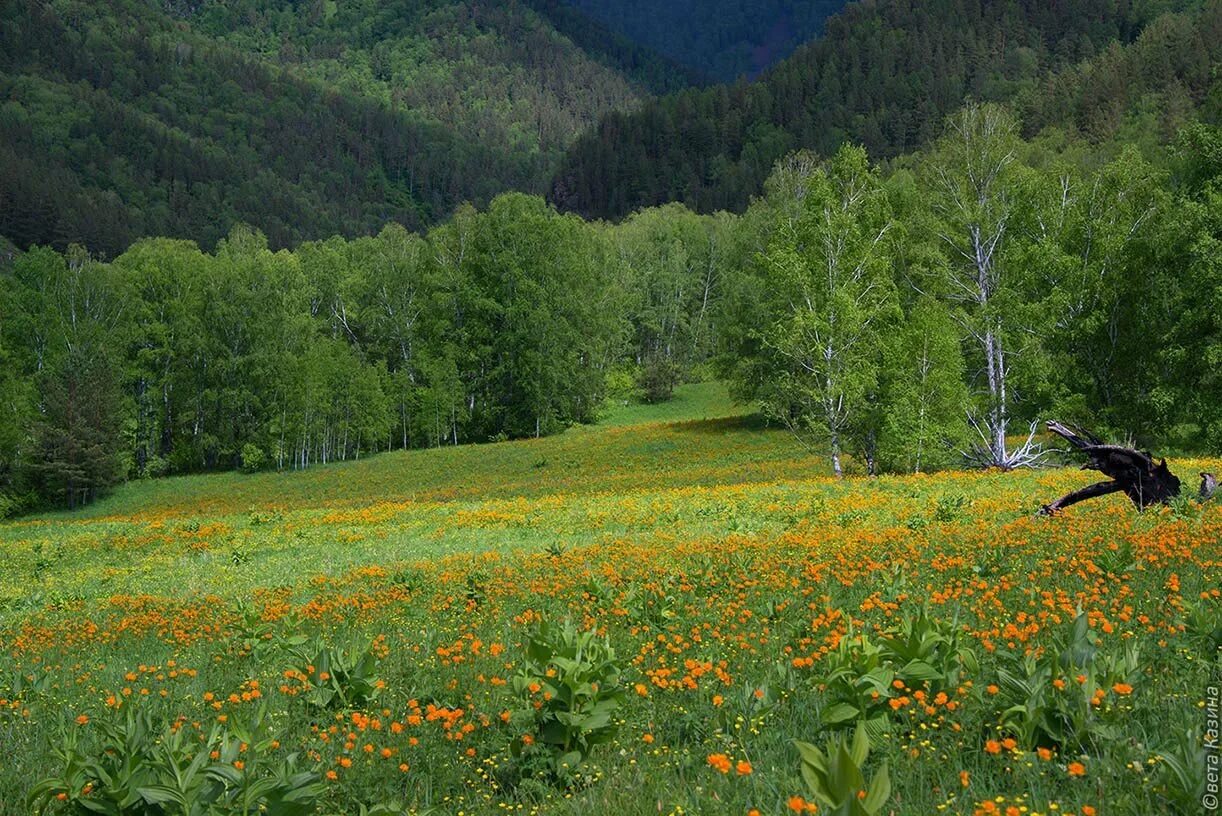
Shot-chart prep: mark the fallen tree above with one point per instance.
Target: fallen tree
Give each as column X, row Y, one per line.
column 1130, row 471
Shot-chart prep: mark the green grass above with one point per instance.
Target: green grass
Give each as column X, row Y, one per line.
column 700, row 425
column 225, row 533
column 692, row 402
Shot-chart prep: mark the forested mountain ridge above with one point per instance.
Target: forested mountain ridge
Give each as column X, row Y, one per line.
column 885, row 74
column 129, row 117
column 724, row 39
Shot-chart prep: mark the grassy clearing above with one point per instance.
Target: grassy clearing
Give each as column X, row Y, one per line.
column 734, row 581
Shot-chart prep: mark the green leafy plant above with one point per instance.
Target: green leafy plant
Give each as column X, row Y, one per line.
column 338, row 678
column 654, row 604
column 132, row 765
column 570, row 687
column 1179, row 772
column 1203, row 625
column 1116, row 561
column 856, row 685
column 1049, row 700
column 949, row 508
column 929, row 653
column 475, row 588
column 835, row 779
column 253, row 635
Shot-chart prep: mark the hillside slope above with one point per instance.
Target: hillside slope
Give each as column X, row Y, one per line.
column 723, row 39
column 128, row 117
column 885, row 74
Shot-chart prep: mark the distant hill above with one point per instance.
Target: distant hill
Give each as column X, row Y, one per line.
column 721, row 39
column 125, row 118
column 886, row 73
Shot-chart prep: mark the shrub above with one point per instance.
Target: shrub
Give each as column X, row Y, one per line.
column 622, row 385
column 658, row 379
column 253, row 458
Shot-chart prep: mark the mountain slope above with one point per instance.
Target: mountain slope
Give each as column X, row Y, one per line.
column 722, row 39
column 885, row 74
column 126, row 118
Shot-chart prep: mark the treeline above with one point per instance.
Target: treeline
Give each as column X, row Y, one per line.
column 884, row 75
column 125, row 118
column 930, row 315
column 508, row 322
column 911, row 318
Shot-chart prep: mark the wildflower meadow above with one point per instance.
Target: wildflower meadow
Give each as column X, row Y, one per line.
column 677, row 611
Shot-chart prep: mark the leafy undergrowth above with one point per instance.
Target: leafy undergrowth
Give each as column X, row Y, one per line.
column 686, row 631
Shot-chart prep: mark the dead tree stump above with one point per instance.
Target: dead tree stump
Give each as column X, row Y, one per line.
column 1133, row 472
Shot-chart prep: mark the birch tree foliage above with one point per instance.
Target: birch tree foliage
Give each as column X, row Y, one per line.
column 1092, row 252
column 924, row 391
column 832, row 301
column 978, row 198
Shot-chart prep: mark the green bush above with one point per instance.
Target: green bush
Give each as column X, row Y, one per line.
column 658, row 379
column 253, row 458
column 13, row 503
column 622, row 385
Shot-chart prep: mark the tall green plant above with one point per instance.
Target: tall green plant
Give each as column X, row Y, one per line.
column 570, row 688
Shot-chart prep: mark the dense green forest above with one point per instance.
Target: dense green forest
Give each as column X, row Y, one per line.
column 885, row 74
column 723, row 39
column 128, row 118
column 907, row 316
column 931, row 272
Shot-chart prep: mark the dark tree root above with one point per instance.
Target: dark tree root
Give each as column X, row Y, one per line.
column 1133, row 472
column 1090, row 492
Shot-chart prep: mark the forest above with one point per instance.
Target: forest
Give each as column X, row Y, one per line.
column 721, row 40
column 125, row 118
column 885, row 74
column 896, row 317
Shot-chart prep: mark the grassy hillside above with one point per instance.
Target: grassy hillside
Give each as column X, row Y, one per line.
column 699, row 441
column 725, row 573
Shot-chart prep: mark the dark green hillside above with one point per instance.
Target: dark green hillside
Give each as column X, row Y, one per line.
column 885, row 74
column 128, row 118
column 723, row 39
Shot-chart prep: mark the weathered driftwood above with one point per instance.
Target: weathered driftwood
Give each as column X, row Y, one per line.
column 1133, row 472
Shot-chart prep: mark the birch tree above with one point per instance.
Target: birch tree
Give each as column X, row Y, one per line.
column 832, row 299
column 974, row 178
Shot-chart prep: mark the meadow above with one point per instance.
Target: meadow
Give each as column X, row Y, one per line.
column 643, row 616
